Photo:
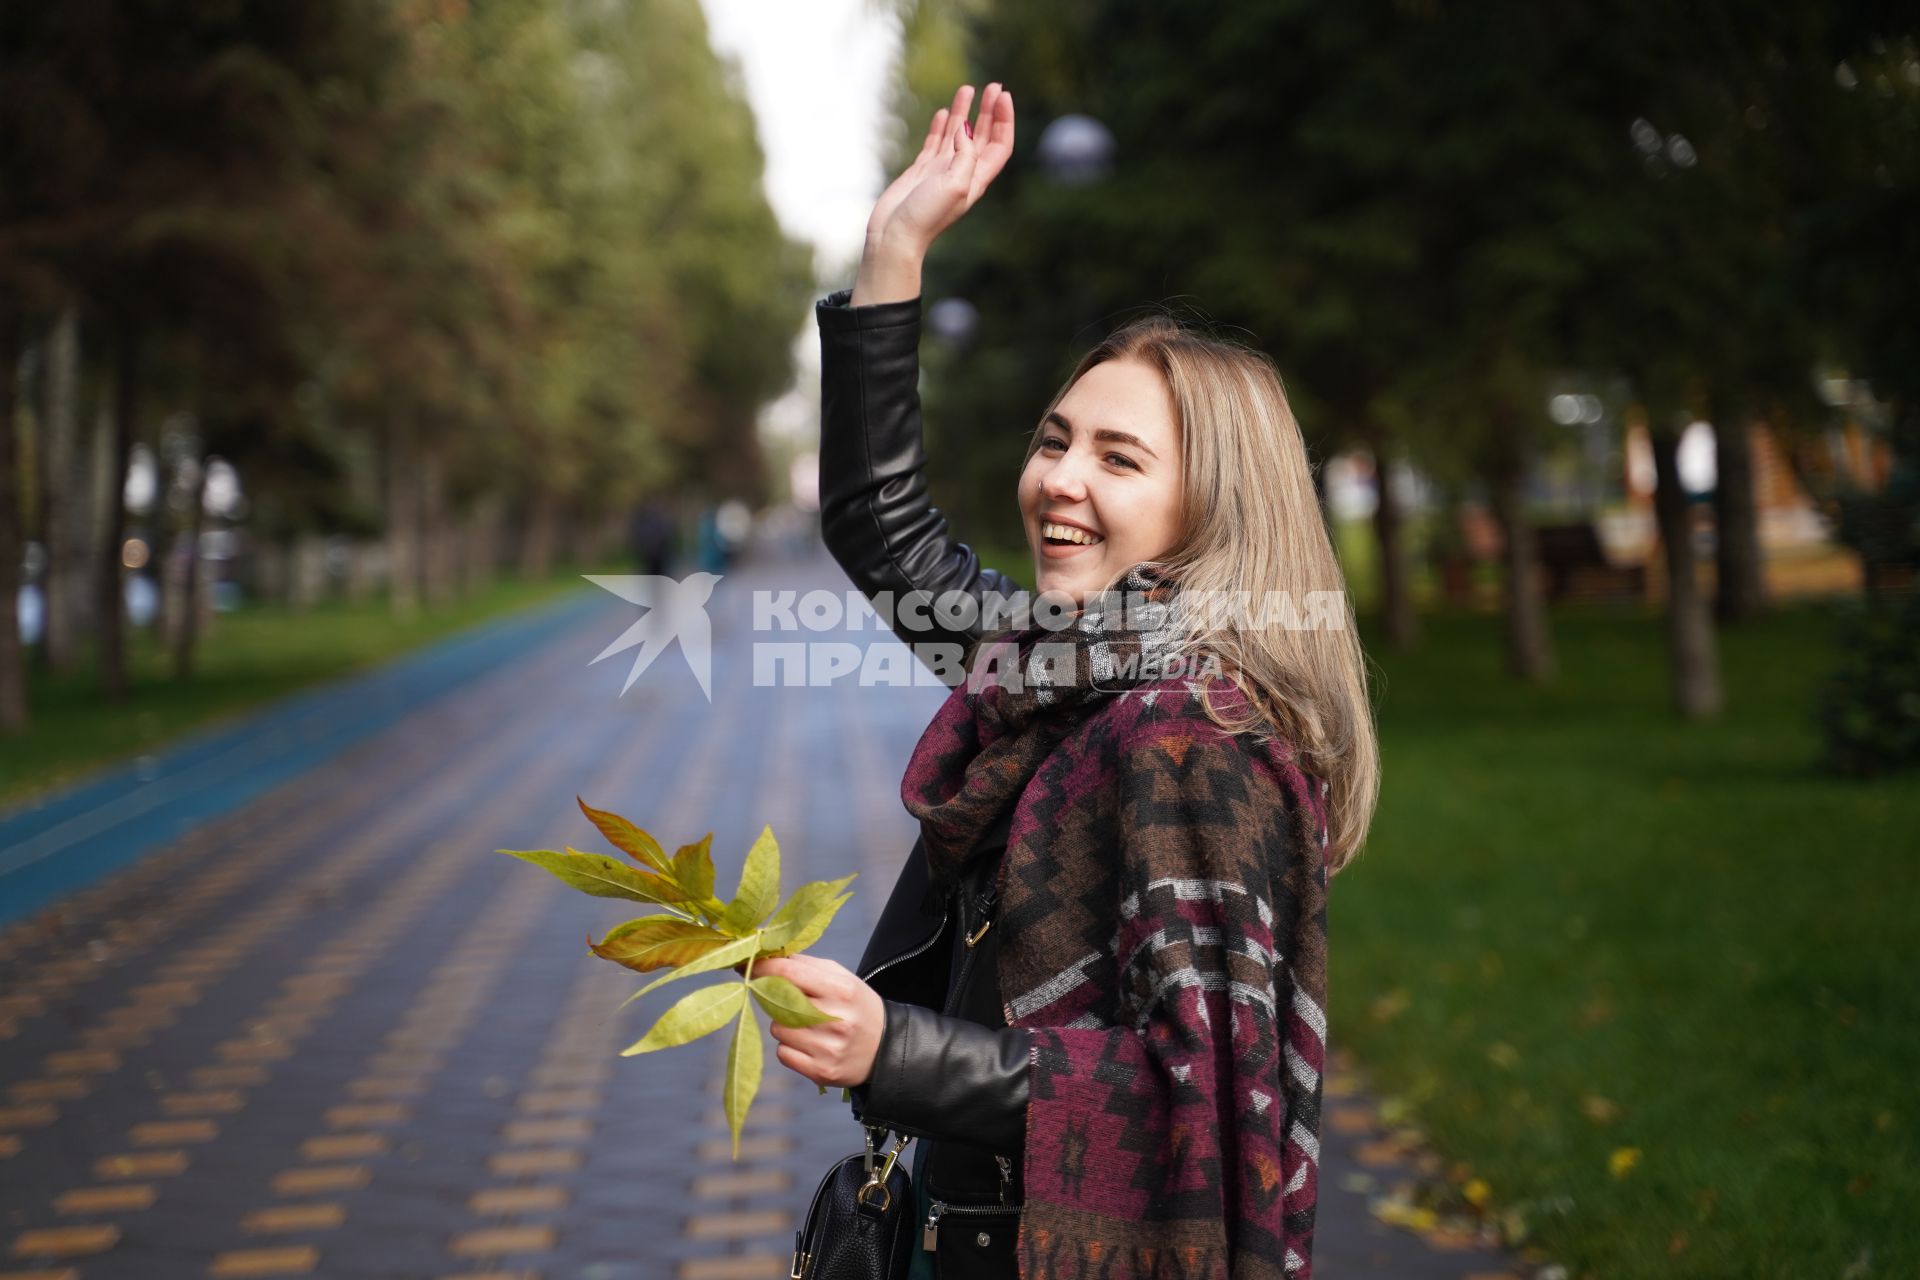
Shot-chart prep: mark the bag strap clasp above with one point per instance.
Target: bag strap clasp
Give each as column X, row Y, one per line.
column 876, row 1183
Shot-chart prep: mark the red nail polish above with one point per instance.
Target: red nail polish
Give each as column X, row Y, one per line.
column 968, row 126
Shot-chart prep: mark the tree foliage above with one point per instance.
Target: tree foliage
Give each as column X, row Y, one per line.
column 1434, row 216
column 403, row 262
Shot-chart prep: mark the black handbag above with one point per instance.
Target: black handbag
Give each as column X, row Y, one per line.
column 861, row 1222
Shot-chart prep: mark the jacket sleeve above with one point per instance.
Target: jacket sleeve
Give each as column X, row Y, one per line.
column 958, row 1080
column 875, row 513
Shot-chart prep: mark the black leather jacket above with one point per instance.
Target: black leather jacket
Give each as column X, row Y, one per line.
column 949, row 1070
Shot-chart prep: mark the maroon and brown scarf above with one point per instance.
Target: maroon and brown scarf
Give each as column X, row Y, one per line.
column 1163, row 917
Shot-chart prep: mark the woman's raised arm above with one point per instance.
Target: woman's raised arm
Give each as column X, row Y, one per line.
column 876, row 515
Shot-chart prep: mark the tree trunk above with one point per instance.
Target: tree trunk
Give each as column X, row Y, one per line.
column 1693, row 655
column 1397, row 616
column 307, row 579
column 66, row 499
column 403, row 526
column 170, row 549
column 1741, row 590
column 268, row 571
column 364, row 570
column 541, row 533
column 481, row 558
column 1529, row 643
column 188, row 632
column 110, row 605
column 13, row 667
column 436, row 530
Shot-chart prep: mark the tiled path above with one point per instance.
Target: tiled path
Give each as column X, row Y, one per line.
column 330, row 1033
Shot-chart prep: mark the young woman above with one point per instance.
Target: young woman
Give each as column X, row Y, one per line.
column 1097, row 992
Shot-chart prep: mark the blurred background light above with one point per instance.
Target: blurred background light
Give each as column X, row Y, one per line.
column 1076, row 149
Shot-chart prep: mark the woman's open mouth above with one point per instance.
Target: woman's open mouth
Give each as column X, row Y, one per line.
column 1063, row 539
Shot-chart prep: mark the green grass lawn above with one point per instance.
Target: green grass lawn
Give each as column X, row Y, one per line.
column 1583, row 927
column 1649, row 981
column 250, row 657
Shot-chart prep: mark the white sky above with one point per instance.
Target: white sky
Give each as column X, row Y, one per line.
column 816, row 75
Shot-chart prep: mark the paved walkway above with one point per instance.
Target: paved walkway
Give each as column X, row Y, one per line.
column 58, row 842
column 324, row 1030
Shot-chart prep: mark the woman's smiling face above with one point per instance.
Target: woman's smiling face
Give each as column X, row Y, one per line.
column 1107, row 471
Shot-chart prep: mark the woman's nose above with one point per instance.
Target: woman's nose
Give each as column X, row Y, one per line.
column 1063, row 480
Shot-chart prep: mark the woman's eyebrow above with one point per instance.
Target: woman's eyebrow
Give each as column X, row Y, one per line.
column 1107, row 434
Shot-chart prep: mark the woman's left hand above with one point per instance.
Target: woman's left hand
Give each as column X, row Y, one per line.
column 838, row 1053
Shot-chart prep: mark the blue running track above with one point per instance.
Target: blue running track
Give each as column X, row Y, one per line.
column 69, row 838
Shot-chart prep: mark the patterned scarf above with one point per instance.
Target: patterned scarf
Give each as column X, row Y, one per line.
column 1032, row 687
column 1163, row 936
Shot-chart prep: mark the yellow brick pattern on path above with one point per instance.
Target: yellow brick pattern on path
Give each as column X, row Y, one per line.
column 216, row 1090
column 726, row 1200
column 575, row 1074
column 345, row 1036
column 453, row 998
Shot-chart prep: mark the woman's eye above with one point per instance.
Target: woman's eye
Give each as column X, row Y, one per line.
column 1122, row 459
column 1052, row 441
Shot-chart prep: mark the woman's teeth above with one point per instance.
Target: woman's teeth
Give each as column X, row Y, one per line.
column 1067, row 533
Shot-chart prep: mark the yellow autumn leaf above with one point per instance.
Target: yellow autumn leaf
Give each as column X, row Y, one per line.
column 1391, row 1211
column 1598, row 1109
column 1621, row 1162
column 744, row 1066
column 697, row 933
column 627, row 838
column 1391, row 1005
column 1477, row 1193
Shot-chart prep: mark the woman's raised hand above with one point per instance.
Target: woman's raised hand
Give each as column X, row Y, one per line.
column 957, row 162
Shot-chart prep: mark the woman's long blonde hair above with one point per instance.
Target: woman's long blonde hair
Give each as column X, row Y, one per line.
column 1250, row 522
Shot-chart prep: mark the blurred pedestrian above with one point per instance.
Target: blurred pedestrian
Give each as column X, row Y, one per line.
column 651, row 536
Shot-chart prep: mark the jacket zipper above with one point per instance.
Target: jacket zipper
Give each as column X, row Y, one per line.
column 984, row 903
column 946, row 913
column 904, row 956
column 930, row 1232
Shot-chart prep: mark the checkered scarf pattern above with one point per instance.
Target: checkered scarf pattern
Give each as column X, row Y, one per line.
column 1163, row 936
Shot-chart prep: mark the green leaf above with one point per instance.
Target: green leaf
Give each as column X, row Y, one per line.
column 601, row 876
column 718, row 958
column 627, row 838
column 786, row 1004
column 806, row 915
column 707, row 1009
column 655, row 942
column 759, row 887
column 693, row 867
column 745, row 1062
